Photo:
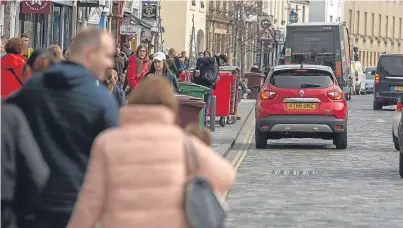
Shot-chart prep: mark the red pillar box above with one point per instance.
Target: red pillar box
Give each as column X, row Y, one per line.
column 223, row 93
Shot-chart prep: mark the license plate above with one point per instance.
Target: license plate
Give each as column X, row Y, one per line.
column 301, row 106
column 399, row 88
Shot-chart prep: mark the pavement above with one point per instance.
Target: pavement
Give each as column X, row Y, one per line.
column 308, row 183
column 224, row 137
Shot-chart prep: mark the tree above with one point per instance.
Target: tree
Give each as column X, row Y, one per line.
column 244, row 33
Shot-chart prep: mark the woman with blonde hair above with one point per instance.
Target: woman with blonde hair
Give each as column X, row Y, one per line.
column 56, row 52
column 111, row 79
column 137, row 173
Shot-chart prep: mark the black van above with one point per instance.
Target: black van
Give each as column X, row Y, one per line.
column 388, row 80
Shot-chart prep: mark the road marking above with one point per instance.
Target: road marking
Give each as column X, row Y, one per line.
column 236, row 163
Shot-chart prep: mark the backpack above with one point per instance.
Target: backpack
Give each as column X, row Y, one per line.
column 203, row 207
column 209, row 72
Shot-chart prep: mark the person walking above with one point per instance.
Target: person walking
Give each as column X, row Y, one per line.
column 56, row 52
column 66, row 110
column 11, row 67
column 2, row 46
column 113, row 197
column 23, row 170
column 138, row 66
column 40, row 60
column 159, row 67
column 111, row 80
column 27, row 50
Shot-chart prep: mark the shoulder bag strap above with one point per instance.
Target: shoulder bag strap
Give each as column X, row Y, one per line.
column 191, row 159
column 15, row 75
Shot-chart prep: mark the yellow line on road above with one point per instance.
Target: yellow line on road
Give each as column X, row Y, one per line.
column 236, row 163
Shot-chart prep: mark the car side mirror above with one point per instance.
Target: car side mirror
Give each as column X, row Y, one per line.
column 255, row 89
column 399, row 99
column 356, row 73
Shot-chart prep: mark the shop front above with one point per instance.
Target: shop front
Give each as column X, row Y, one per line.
column 136, row 31
column 47, row 22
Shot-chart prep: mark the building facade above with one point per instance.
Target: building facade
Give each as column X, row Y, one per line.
column 326, row 11
column 375, row 27
column 218, row 27
column 283, row 11
column 184, row 23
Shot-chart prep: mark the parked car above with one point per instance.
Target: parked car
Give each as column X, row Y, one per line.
column 359, row 77
column 369, row 79
column 396, row 117
column 400, row 138
column 388, row 80
column 301, row 101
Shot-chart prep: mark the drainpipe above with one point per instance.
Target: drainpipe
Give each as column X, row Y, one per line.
column 75, row 17
column 119, row 20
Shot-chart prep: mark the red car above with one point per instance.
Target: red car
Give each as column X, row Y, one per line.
column 301, row 101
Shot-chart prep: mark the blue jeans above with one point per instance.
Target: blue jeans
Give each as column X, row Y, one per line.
column 207, row 100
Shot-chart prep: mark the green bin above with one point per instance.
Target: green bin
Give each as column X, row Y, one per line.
column 194, row 90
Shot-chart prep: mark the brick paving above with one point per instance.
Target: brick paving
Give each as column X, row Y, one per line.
column 308, row 183
column 224, row 136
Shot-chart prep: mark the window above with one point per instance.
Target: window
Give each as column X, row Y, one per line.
column 202, row 4
column 357, row 30
column 380, row 25
column 350, row 21
column 331, row 19
column 373, row 24
column 338, row 19
column 303, row 14
column 400, row 28
column 387, row 26
column 391, row 66
column 393, row 27
column 311, row 79
column 365, row 23
column 193, row 2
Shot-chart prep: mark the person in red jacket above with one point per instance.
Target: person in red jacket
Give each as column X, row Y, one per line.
column 11, row 66
column 138, row 66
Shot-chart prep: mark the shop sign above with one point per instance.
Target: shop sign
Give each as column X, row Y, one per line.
column 149, row 11
column 36, row 6
column 128, row 29
column 95, row 16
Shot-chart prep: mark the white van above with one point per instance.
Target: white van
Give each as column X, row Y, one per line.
column 357, row 73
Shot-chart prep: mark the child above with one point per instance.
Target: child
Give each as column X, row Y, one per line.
column 200, row 132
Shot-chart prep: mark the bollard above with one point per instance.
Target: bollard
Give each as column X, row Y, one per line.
column 212, row 113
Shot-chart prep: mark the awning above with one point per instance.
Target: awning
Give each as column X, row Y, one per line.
column 138, row 21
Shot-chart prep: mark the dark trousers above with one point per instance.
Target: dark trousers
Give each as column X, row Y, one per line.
column 46, row 220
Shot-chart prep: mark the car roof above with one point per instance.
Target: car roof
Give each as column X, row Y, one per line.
column 307, row 67
column 316, row 24
column 391, row 54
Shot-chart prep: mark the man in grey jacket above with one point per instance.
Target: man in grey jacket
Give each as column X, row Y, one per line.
column 23, row 169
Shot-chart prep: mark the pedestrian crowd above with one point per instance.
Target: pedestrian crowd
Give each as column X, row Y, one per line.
column 90, row 136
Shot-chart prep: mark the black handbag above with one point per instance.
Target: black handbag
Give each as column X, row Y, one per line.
column 203, row 207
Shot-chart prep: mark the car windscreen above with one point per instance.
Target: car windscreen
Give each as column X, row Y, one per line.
column 390, row 66
column 308, row 79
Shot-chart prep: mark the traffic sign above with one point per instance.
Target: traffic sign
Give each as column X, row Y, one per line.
column 266, row 35
column 265, row 22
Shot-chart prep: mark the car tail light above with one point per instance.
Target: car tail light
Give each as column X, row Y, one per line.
column 356, row 78
column 399, row 106
column 267, row 94
column 376, row 79
column 335, row 94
